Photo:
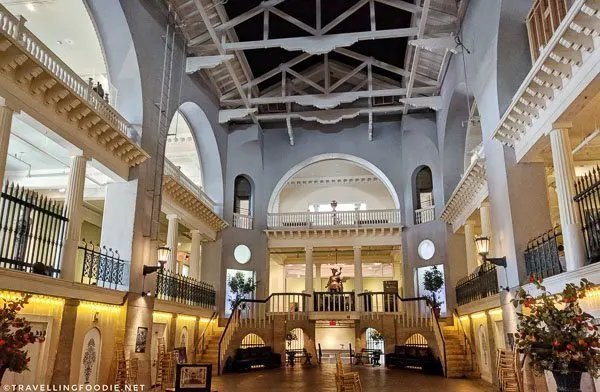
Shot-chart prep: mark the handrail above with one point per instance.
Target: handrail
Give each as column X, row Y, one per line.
column 441, row 337
column 201, row 339
column 233, row 316
column 358, row 218
column 468, row 343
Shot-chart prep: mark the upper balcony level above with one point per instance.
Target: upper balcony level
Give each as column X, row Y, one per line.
column 334, row 220
column 34, row 80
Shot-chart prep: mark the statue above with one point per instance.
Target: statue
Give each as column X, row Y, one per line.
column 336, row 282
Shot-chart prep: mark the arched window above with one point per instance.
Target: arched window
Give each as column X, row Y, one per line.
column 252, row 340
column 423, row 195
column 242, row 203
column 416, row 339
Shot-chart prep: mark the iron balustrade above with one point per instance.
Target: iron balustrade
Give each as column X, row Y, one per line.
column 32, row 229
column 543, row 254
column 480, row 284
column 588, row 202
column 103, row 267
column 334, row 302
column 174, row 287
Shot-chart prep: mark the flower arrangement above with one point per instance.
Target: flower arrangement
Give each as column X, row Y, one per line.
column 555, row 333
column 376, row 336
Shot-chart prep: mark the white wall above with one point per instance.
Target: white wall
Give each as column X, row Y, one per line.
column 330, row 338
column 297, row 198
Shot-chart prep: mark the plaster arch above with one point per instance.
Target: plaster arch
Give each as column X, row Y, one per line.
column 90, row 357
column 331, row 156
column 208, row 150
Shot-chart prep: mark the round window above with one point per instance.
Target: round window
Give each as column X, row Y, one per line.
column 242, row 254
column 426, row 249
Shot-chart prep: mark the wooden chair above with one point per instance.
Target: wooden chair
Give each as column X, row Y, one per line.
column 120, row 365
column 133, row 366
column 508, row 371
column 344, row 381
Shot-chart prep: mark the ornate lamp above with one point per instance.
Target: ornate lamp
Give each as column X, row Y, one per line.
column 333, row 205
column 163, row 256
column 483, row 248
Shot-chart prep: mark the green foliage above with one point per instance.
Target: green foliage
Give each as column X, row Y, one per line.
column 433, row 281
column 376, row 335
column 16, row 333
column 555, row 333
column 240, row 288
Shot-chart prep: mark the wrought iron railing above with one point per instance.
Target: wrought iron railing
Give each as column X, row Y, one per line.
column 588, row 202
column 32, row 229
column 543, row 254
column 359, row 218
column 480, row 284
column 103, row 267
column 174, row 287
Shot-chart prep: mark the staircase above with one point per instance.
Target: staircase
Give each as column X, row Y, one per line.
column 459, row 361
column 210, row 352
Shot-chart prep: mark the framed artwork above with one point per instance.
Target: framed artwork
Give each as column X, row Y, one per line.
column 140, row 339
column 181, row 354
column 193, row 377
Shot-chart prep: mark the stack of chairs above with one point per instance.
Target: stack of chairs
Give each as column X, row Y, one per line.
column 132, row 366
column 346, row 382
column 508, row 371
column 120, row 365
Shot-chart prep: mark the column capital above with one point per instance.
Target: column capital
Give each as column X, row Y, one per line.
column 469, row 223
column 194, row 232
column 308, row 248
column 357, row 247
column 563, row 125
column 485, row 204
column 172, row 216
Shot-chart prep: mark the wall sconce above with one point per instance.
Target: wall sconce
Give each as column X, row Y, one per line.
column 483, row 248
column 163, row 256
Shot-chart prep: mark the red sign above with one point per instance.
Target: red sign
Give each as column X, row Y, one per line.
column 332, row 323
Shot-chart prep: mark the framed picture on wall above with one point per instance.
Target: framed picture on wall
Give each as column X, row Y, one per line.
column 181, row 354
column 140, row 340
column 193, row 377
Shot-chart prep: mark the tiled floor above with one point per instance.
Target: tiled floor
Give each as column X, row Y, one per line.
column 315, row 379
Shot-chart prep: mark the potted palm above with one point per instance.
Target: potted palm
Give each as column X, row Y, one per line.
column 557, row 335
column 240, row 288
column 433, row 281
column 15, row 334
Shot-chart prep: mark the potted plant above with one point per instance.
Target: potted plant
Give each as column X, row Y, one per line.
column 433, row 281
column 15, row 334
column 240, row 288
column 556, row 335
column 290, row 337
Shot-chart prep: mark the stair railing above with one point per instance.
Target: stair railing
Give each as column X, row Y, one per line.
column 439, row 337
column 411, row 312
column 469, row 347
column 202, row 339
column 258, row 313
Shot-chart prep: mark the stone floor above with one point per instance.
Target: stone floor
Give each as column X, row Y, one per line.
column 315, row 379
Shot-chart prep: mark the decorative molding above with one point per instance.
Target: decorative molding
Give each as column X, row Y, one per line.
column 225, row 115
column 434, row 103
column 365, row 236
column 471, row 190
column 329, row 116
column 333, row 180
column 194, row 64
column 436, row 44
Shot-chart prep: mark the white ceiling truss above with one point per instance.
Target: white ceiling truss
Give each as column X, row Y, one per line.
column 331, row 90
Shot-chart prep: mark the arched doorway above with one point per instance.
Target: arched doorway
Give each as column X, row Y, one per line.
column 417, row 340
column 252, row 340
column 90, row 357
column 294, row 340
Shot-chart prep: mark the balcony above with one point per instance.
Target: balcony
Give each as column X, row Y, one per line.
column 184, row 290
column 243, row 221
column 52, row 93
column 480, row 284
column 543, row 254
column 103, row 267
column 542, row 21
column 424, row 215
column 339, row 219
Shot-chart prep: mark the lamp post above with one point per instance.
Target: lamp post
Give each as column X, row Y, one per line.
column 163, row 253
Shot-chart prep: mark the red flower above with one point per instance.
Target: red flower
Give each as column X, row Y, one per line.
column 531, row 279
column 42, row 340
column 2, row 342
column 570, row 346
column 590, row 328
column 556, row 343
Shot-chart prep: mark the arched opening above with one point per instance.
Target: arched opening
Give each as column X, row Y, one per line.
column 90, row 357
column 183, row 339
column 374, row 340
column 423, row 204
column 294, row 340
column 242, row 202
column 417, row 340
column 181, row 149
column 252, row 340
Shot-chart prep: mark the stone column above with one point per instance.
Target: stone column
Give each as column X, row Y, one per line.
column 195, row 255
column 62, row 364
column 6, row 115
column 471, row 252
column 317, row 281
column 73, row 201
column 172, row 234
column 308, row 274
column 564, row 174
column 358, row 277
column 485, row 214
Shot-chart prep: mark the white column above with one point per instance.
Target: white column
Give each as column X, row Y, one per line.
column 6, row 115
column 564, row 174
column 73, row 201
column 358, row 276
column 317, row 280
column 196, row 255
column 172, row 234
column 470, row 246
column 485, row 214
column 308, row 274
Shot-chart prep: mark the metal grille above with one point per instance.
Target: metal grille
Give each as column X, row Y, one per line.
column 32, row 231
column 543, row 254
column 588, row 202
column 416, row 340
column 480, row 284
column 183, row 289
column 252, row 340
column 102, row 267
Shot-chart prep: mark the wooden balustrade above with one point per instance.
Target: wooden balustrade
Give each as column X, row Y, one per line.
column 411, row 312
column 424, row 215
column 242, row 221
column 542, row 21
column 359, row 218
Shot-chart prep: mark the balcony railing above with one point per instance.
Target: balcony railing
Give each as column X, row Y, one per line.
column 242, row 221
column 334, row 302
column 588, row 202
column 174, row 287
column 542, row 21
column 32, row 229
column 543, row 254
column 171, row 170
column 480, row 284
column 424, row 215
column 103, row 267
column 339, row 219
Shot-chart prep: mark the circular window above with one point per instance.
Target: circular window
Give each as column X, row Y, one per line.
column 426, row 249
column 242, row 254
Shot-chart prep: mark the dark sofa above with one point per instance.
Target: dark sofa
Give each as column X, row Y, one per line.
column 413, row 356
column 248, row 358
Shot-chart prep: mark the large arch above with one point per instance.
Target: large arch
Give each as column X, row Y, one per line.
column 206, row 144
column 325, row 157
